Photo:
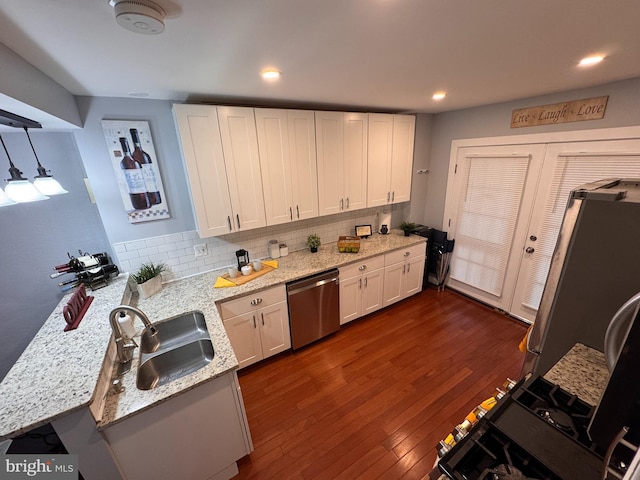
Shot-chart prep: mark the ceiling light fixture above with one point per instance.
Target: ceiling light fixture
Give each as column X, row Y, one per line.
column 46, row 184
column 439, row 95
column 271, row 74
column 589, row 61
column 19, row 189
column 139, row 16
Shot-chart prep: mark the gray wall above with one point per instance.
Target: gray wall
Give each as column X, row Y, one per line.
column 93, row 149
column 623, row 109
column 36, row 236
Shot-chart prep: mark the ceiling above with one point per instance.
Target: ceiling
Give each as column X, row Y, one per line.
column 376, row 55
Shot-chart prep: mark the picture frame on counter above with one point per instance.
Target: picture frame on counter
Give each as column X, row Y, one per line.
column 363, row 231
column 135, row 163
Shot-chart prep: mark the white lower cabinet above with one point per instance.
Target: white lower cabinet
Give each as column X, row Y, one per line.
column 257, row 325
column 361, row 287
column 199, row 434
column 403, row 273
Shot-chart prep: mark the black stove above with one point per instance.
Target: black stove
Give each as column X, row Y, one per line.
column 538, row 431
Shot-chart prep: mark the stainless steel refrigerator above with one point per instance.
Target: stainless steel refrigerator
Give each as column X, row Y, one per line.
column 594, row 270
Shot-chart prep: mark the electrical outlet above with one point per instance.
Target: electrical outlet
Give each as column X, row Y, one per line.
column 200, row 250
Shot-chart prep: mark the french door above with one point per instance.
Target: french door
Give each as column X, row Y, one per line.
column 505, row 207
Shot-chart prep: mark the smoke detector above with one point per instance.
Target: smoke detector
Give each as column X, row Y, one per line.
column 139, row 16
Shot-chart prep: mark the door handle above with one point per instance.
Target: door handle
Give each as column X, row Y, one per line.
column 365, row 281
column 262, row 315
column 360, row 283
column 347, row 203
column 298, row 211
column 238, row 220
column 290, row 214
column 388, row 196
column 408, row 267
column 533, row 238
column 393, row 195
column 229, row 222
column 530, row 250
column 254, row 322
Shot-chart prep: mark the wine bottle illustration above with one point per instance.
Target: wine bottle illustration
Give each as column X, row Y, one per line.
column 133, row 175
column 148, row 172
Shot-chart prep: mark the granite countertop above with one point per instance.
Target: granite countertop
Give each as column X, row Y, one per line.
column 58, row 371
column 582, row 371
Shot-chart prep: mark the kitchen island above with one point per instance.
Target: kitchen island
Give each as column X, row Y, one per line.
column 70, row 382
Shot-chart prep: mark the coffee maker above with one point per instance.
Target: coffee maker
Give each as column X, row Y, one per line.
column 242, row 257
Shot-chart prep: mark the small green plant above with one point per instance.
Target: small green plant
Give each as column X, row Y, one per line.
column 148, row 270
column 407, row 226
column 313, row 241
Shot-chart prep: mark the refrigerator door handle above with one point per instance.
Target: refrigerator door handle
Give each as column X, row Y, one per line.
column 618, row 330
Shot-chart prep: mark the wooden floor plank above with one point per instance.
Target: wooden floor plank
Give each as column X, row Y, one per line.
column 373, row 400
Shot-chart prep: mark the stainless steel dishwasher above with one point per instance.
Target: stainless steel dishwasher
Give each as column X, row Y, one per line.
column 314, row 307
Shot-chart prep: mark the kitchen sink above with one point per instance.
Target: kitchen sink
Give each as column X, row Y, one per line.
column 174, row 331
column 161, row 368
column 181, row 346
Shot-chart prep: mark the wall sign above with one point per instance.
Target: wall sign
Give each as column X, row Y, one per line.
column 134, row 161
column 576, row 111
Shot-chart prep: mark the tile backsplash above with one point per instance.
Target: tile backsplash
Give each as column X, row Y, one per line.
column 177, row 249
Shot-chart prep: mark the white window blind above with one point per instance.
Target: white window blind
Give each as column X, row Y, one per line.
column 571, row 170
column 488, row 205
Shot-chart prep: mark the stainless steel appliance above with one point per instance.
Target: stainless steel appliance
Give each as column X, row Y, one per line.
column 536, row 431
column 594, row 270
column 314, row 307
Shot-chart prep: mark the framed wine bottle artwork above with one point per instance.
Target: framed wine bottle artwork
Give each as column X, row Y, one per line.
column 135, row 164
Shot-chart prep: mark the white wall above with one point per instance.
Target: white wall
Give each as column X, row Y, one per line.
column 623, row 109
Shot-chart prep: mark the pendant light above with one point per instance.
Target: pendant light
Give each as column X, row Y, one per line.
column 20, row 189
column 46, row 184
column 4, row 200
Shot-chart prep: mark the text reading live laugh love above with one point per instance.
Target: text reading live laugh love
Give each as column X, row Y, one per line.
column 576, row 111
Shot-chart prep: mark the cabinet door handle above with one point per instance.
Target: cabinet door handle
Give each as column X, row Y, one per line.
column 408, row 267
column 238, row 220
column 365, row 281
column 360, row 283
column 347, row 203
column 393, row 195
column 298, row 211
column 262, row 315
column 342, row 204
column 254, row 322
column 404, row 269
column 290, row 214
column 388, row 196
column 229, row 222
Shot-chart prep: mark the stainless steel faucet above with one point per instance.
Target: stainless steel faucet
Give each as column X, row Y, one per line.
column 124, row 344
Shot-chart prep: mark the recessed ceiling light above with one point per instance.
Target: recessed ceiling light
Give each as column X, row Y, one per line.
column 271, row 74
column 439, row 95
column 588, row 61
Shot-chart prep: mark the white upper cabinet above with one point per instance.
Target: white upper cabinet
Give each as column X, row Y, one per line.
column 342, row 161
column 220, row 150
column 240, row 147
column 199, row 134
column 286, row 142
column 391, row 139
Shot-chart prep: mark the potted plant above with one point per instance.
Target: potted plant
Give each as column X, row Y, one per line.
column 148, row 279
column 313, row 242
column 407, row 227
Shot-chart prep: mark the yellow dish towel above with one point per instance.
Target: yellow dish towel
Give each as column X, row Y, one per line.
column 271, row 263
column 223, row 282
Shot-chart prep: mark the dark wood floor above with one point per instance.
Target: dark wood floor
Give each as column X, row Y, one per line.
column 373, row 400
